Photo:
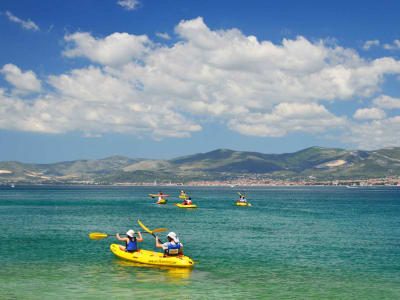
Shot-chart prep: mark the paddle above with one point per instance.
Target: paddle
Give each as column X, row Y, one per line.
column 99, row 235
column 149, row 231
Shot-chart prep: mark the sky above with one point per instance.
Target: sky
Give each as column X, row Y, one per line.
column 160, row 79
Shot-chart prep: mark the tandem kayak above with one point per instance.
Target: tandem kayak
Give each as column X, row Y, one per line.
column 153, row 258
column 186, row 206
column 243, row 204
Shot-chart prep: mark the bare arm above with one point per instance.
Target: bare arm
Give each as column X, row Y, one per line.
column 158, row 244
column 140, row 239
column 120, row 238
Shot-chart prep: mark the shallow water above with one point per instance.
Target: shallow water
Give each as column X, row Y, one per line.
column 293, row 243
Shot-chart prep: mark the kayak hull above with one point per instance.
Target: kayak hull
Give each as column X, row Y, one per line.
column 186, row 206
column 162, row 201
column 153, row 258
column 242, row 204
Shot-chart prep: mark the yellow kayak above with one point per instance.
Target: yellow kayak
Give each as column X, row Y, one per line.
column 153, row 258
column 162, row 201
column 243, row 204
column 186, row 206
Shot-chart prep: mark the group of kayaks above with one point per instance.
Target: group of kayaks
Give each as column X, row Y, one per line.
column 187, row 201
column 152, row 258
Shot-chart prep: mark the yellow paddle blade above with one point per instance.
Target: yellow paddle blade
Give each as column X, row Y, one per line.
column 160, row 229
column 144, row 227
column 97, row 235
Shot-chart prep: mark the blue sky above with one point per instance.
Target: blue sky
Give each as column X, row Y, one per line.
column 160, row 79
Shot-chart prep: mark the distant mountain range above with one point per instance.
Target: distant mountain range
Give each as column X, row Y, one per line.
column 222, row 164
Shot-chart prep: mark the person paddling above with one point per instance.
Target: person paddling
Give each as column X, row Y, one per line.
column 171, row 248
column 160, row 198
column 242, row 199
column 130, row 241
column 188, row 201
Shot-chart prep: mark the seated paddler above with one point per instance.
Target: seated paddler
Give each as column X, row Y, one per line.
column 171, row 248
column 130, row 241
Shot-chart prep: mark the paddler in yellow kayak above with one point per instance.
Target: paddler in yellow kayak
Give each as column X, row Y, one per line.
column 171, row 248
column 161, row 199
column 242, row 198
column 130, row 241
column 188, row 201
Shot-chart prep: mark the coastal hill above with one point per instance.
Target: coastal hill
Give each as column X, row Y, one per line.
column 222, row 164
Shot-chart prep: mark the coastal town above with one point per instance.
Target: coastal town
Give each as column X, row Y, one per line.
column 260, row 181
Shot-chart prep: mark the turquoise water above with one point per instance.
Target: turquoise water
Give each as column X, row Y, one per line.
column 293, row 243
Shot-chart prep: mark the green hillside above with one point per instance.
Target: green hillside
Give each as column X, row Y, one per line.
column 317, row 162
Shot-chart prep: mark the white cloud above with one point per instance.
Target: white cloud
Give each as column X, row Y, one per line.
column 387, row 102
column 394, row 46
column 24, row 82
column 163, row 35
column 375, row 134
column 369, row 114
column 29, row 25
column 117, row 48
column 254, row 87
column 128, row 4
column 369, row 44
column 286, row 118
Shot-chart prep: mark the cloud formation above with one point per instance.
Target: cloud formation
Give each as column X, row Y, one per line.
column 29, row 25
column 369, row 114
column 369, row 44
column 258, row 88
column 394, row 46
column 22, row 82
column 387, row 102
column 128, row 4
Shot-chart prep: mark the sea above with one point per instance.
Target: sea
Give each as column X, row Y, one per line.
column 292, row 243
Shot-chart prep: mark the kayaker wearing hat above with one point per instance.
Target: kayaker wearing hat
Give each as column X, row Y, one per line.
column 171, row 248
column 130, row 241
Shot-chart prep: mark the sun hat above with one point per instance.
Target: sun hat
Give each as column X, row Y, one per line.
column 130, row 233
column 173, row 236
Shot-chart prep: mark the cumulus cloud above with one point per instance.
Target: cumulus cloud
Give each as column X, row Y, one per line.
column 286, row 118
column 128, row 4
column 369, row 114
column 258, row 88
column 29, row 25
column 387, row 102
column 117, row 48
column 394, row 46
column 369, row 44
column 374, row 134
column 23, row 82
column 163, row 35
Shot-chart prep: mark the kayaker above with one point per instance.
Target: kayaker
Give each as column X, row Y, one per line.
column 160, row 198
column 242, row 199
column 171, row 248
column 130, row 241
column 188, row 201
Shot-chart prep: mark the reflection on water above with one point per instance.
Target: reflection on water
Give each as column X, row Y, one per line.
column 149, row 273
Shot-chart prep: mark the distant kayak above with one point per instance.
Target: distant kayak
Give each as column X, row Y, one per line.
column 243, row 204
column 186, row 206
column 162, row 201
column 153, row 258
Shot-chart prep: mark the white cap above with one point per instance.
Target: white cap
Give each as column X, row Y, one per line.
column 130, row 233
column 173, row 236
